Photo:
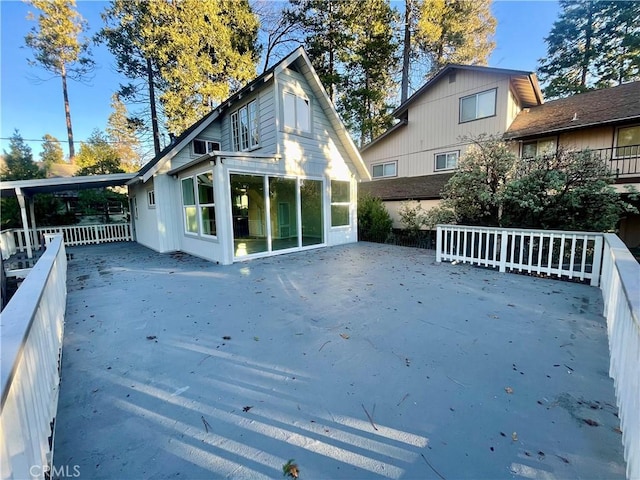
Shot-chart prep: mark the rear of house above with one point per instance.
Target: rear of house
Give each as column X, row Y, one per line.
column 271, row 170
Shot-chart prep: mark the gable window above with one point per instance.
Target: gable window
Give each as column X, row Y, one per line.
column 381, row 170
column 535, row 148
column 479, row 105
column 198, row 204
column 340, row 202
column 628, row 142
column 201, row 146
column 244, row 127
column 297, row 112
column 151, row 198
column 447, row 160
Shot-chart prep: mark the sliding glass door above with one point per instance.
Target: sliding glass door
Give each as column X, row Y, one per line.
column 293, row 205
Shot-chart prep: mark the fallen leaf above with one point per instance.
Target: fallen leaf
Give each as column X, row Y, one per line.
column 226, row 337
column 345, row 336
column 514, row 436
column 617, row 430
column 246, row 409
column 256, row 338
column 508, row 389
column 590, row 422
column 290, row 469
column 151, row 337
column 565, row 460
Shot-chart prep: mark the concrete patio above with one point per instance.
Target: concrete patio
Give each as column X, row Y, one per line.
column 362, row 361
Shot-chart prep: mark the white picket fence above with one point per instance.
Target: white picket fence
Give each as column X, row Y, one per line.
column 605, row 261
column 543, row 252
column 32, row 329
column 13, row 241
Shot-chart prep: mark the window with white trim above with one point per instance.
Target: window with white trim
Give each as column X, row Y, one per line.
column 151, row 198
column 382, row 170
column 628, row 141
column 447, row 160
column 244, row 127
column 297, row 112
column 340, row 202
column 198, row 204
column 201, row 146
column 478, row 105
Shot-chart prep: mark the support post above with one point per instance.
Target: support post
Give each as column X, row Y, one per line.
column 25, row 222
column 34, row 228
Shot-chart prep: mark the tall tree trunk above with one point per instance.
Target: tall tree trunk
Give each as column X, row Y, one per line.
column 67, row 113
column 588, row 34
column 406, row 51
column 154, row 113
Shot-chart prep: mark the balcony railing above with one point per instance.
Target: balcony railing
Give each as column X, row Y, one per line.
column 623, row 160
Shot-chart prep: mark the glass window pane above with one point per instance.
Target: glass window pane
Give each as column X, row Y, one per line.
column 289, row 109
column 191, row 218
column 311, row 212
column 188, row 197
column 390, row 170
column 244, row 129
column 529, row 150
column 199, row 147
column 249, row 214
column 486, row 104
column 253, row 124
column 629, row 136
column 339, row 215
column 467, row 109
column 284, row 213
column 546, row 147
column 340, row 191
column 441, row 161
column 235, row 133
column 208, row 216
column 452, row 160
column 205, row 188
column 303, row 114
column 378, row 170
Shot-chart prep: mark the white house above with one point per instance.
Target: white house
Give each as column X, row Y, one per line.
column 271, row 170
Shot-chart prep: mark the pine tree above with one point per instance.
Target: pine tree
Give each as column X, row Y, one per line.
column 370, row 62
column 51, row 151
column 121, row 132
column 593, row 44
column 195, row 53
column 19, row 164
column 455, row 32
column 58, row 48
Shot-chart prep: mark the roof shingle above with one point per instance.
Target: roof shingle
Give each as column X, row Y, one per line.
column 423, row 187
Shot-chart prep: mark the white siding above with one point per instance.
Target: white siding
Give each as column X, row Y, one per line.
column 146, row 223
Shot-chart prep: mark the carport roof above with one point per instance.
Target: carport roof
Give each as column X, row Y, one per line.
column 50, row 185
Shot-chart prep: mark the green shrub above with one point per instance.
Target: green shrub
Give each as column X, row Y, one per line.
column 374, row 222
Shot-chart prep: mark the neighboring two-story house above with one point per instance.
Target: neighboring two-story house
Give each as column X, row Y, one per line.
column 606, row 121
column 416, row 157
column 271, row 170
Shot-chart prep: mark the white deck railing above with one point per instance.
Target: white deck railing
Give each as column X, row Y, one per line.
column 573, row 255
column 32, row 327
column 74, row 235
column 620, row 287
column 543, row 252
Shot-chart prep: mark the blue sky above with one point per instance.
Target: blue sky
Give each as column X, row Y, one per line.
column 35, row 107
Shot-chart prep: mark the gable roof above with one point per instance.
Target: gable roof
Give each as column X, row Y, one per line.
column 525, row 83
column 188, row 135
column 424, row 187
column 598, row 107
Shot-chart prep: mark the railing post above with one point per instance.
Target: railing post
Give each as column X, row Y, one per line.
column 438, row 244
column 504, row 240
column 597, row 261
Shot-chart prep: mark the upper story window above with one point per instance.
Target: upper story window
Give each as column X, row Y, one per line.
column 535, row 148
column 244, row 127
column 340, row 202
column 201, row 146
column 447, row 160
column 151, row 198
column 389, row 169
column 628, row 141
column 297, row 112
column 479, row 105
